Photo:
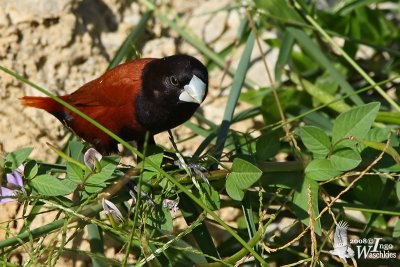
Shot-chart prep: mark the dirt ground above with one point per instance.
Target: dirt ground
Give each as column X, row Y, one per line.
column 60, row 45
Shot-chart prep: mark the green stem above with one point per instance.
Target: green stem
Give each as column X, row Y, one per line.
column 376, row 211
column 137, row 206
column 66, row 157
column 43, row 230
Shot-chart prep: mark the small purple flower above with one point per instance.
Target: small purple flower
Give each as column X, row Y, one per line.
column 112, row 212
column 14, row 186
column 170, row 204
column 92, row 160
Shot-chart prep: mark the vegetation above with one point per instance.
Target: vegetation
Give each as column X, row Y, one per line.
column 332, row 112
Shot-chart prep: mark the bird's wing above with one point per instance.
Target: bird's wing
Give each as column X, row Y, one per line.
column 113, row 88
column 110, row 101
column 340, row 237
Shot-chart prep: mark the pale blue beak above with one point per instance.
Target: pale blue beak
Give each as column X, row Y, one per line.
column 194, row 91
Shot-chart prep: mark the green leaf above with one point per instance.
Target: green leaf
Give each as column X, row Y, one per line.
column 321, row 170
column 315, row 140
column 31, row 169
column 398, row 189
column 30, row 216
column 243, row 175
column 250, row 217
column 74, row 172
column 200, row 233
column 154, row 154
column 355, row 122
column 301, row 201
column 211, row 199
column 148, row 175
column 345, row 159
column 378, row 134
column 16, row 158
column 75, row 149
column 267, row 146
column 98, row 180
column 248, row 113
column 303, row 63
column 71, row 185
column 286, row 180
column 49, row 186
column 322, row 96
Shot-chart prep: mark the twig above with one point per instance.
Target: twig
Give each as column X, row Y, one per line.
column 312, row 226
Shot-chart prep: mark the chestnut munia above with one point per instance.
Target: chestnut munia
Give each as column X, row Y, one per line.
column 146, row 94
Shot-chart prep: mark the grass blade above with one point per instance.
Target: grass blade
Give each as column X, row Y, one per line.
column 314, row 51
column 200, row 233
column 284, row 54
column 132, row 38
column 234, row 95
column 351, row 62
column 96, row 245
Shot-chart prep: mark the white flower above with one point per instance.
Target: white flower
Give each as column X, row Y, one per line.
column 92, row 159
column 112, row 211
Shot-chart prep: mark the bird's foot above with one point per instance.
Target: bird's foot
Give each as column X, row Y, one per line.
column 193, row 169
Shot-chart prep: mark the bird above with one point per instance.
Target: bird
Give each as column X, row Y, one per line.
column 341, row 247
column 143, row 95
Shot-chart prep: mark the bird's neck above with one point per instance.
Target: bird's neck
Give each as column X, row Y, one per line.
column 158, row 117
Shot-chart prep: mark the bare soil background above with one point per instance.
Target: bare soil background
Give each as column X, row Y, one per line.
column 63, row 44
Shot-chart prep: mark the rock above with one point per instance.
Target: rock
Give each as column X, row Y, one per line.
column 34, row 10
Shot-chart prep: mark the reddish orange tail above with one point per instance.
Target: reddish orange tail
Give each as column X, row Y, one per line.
column 45, row 103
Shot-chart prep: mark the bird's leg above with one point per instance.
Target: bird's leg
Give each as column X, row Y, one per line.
column 183, row 163
column 193, row 169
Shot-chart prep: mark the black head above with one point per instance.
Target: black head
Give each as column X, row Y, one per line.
column 172, row 89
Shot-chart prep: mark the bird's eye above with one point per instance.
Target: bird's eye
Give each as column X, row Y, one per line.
column 174, row 80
